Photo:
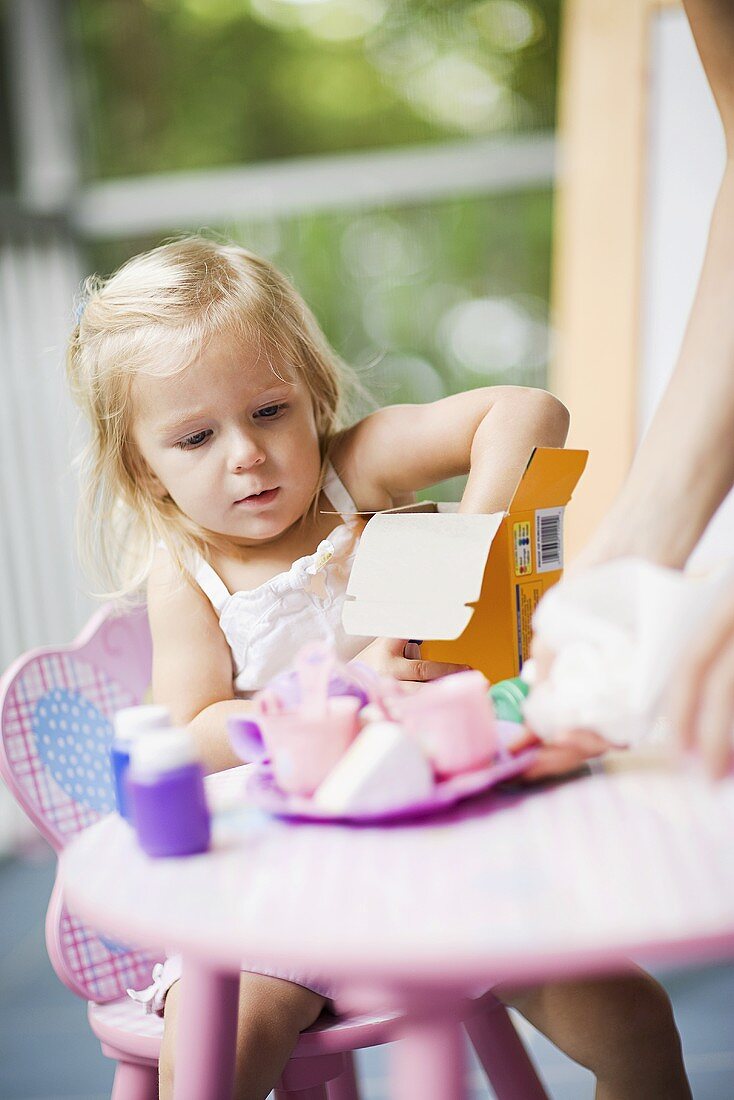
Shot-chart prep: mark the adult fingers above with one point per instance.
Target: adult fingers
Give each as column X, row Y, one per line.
column 588, row 742
column 567, row 755
column 553, row 760
column 701, row 658
column 713, row 727
column 543, row 657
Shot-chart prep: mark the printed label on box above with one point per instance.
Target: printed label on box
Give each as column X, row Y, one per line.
column 527, row 598
column 549, row 539
column 523, row 549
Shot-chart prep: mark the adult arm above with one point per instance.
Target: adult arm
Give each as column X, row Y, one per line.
column 685, row 464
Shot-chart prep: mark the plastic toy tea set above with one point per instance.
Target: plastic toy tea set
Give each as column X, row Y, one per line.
column 331, row 741
column 327, row 741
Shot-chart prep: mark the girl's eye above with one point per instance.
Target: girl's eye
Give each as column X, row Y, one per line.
column 195, row 440
column 270, row 412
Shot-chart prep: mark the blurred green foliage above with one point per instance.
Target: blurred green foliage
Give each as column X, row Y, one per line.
column 181, row 84
column 391, row 287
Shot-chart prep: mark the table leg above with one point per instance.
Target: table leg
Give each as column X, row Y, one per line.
column 429, row 1061
column 207, row 1030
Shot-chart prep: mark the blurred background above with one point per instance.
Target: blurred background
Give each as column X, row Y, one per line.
column 396, row 160
column 399, row 160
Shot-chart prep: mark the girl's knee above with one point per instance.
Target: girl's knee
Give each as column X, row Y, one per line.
column 276, row 1005
column 645, row 1013
column 636, row 1030
column 272, row 1013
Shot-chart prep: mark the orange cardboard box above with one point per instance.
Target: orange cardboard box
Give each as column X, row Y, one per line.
column 467, row 585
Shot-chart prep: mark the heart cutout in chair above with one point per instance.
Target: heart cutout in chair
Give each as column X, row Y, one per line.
column 73, row 740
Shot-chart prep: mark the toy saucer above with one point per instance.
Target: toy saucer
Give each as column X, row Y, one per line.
column 261, row 790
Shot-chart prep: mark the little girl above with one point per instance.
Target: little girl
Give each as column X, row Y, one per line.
column 218, row 457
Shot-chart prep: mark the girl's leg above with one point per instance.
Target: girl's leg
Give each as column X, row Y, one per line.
column 621, row 1028
column 272, row 1014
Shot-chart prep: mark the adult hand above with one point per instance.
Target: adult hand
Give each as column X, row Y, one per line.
column 563, row 757
column 575, row 748
column 400, row 658
column 702, row 701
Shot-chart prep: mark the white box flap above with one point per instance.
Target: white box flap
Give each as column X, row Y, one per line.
column 415, row 574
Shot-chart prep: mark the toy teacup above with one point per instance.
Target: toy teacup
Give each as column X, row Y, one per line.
column 453, row 719
column 302, row 750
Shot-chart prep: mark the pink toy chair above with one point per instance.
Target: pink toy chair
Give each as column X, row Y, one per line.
column 56, row 707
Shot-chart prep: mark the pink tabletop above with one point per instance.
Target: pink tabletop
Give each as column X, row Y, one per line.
column 507, row 886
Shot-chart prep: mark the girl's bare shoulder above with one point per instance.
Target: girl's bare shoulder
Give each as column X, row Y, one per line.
column 170, row 593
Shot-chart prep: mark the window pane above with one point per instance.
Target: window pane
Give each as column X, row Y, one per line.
column 180, row 84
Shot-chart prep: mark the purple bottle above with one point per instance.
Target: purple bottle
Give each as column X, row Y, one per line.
column 165, row 788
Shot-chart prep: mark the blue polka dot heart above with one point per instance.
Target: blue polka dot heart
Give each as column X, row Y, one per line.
column 73, row 740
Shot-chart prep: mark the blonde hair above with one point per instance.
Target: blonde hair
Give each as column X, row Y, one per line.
column 154, row 316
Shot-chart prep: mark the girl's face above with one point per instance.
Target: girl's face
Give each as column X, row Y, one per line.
column 234, row 446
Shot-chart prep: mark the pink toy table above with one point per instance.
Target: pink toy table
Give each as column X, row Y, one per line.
column 568, row 880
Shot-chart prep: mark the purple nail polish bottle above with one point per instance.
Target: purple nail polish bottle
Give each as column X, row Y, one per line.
column 165, row 789
column 131, row 723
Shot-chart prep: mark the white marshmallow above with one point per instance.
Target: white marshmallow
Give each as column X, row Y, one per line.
column 383, row 769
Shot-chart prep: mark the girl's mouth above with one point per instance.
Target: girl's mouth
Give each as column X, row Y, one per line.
column 259, row 500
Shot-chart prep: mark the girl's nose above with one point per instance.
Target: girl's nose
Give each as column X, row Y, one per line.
column 245, row 453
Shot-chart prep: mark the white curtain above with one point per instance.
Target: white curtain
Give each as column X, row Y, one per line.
column 41, row 595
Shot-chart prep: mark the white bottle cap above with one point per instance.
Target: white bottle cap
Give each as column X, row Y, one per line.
column 162, row 751
column 131, row 722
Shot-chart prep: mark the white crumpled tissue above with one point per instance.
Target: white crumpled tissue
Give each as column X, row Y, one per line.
column 619, row 632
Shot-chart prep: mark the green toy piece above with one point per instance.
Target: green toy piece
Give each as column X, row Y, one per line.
column 508, row 696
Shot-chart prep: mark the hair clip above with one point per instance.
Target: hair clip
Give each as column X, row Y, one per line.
column 81, row 305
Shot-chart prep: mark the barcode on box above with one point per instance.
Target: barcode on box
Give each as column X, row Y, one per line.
column 549, row 539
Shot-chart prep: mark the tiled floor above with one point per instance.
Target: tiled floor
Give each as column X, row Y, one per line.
column 47, row 1051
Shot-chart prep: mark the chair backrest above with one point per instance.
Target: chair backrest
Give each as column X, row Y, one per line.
column 56, row 708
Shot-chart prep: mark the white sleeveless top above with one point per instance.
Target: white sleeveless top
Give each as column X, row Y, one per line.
column 266, row 626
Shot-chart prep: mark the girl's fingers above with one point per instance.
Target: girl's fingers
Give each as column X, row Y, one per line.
column 412, row 667
column 424, row 671
column 400, row 658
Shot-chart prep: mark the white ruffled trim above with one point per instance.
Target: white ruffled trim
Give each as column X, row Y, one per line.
column 154, row 997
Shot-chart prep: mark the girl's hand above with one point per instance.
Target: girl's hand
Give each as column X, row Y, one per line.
column 387, row 656
column 702, row 705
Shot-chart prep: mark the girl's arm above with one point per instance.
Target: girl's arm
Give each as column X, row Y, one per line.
column 192, row 664
column 488, row 433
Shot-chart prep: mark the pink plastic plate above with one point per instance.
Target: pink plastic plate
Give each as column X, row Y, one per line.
column 261, row 790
